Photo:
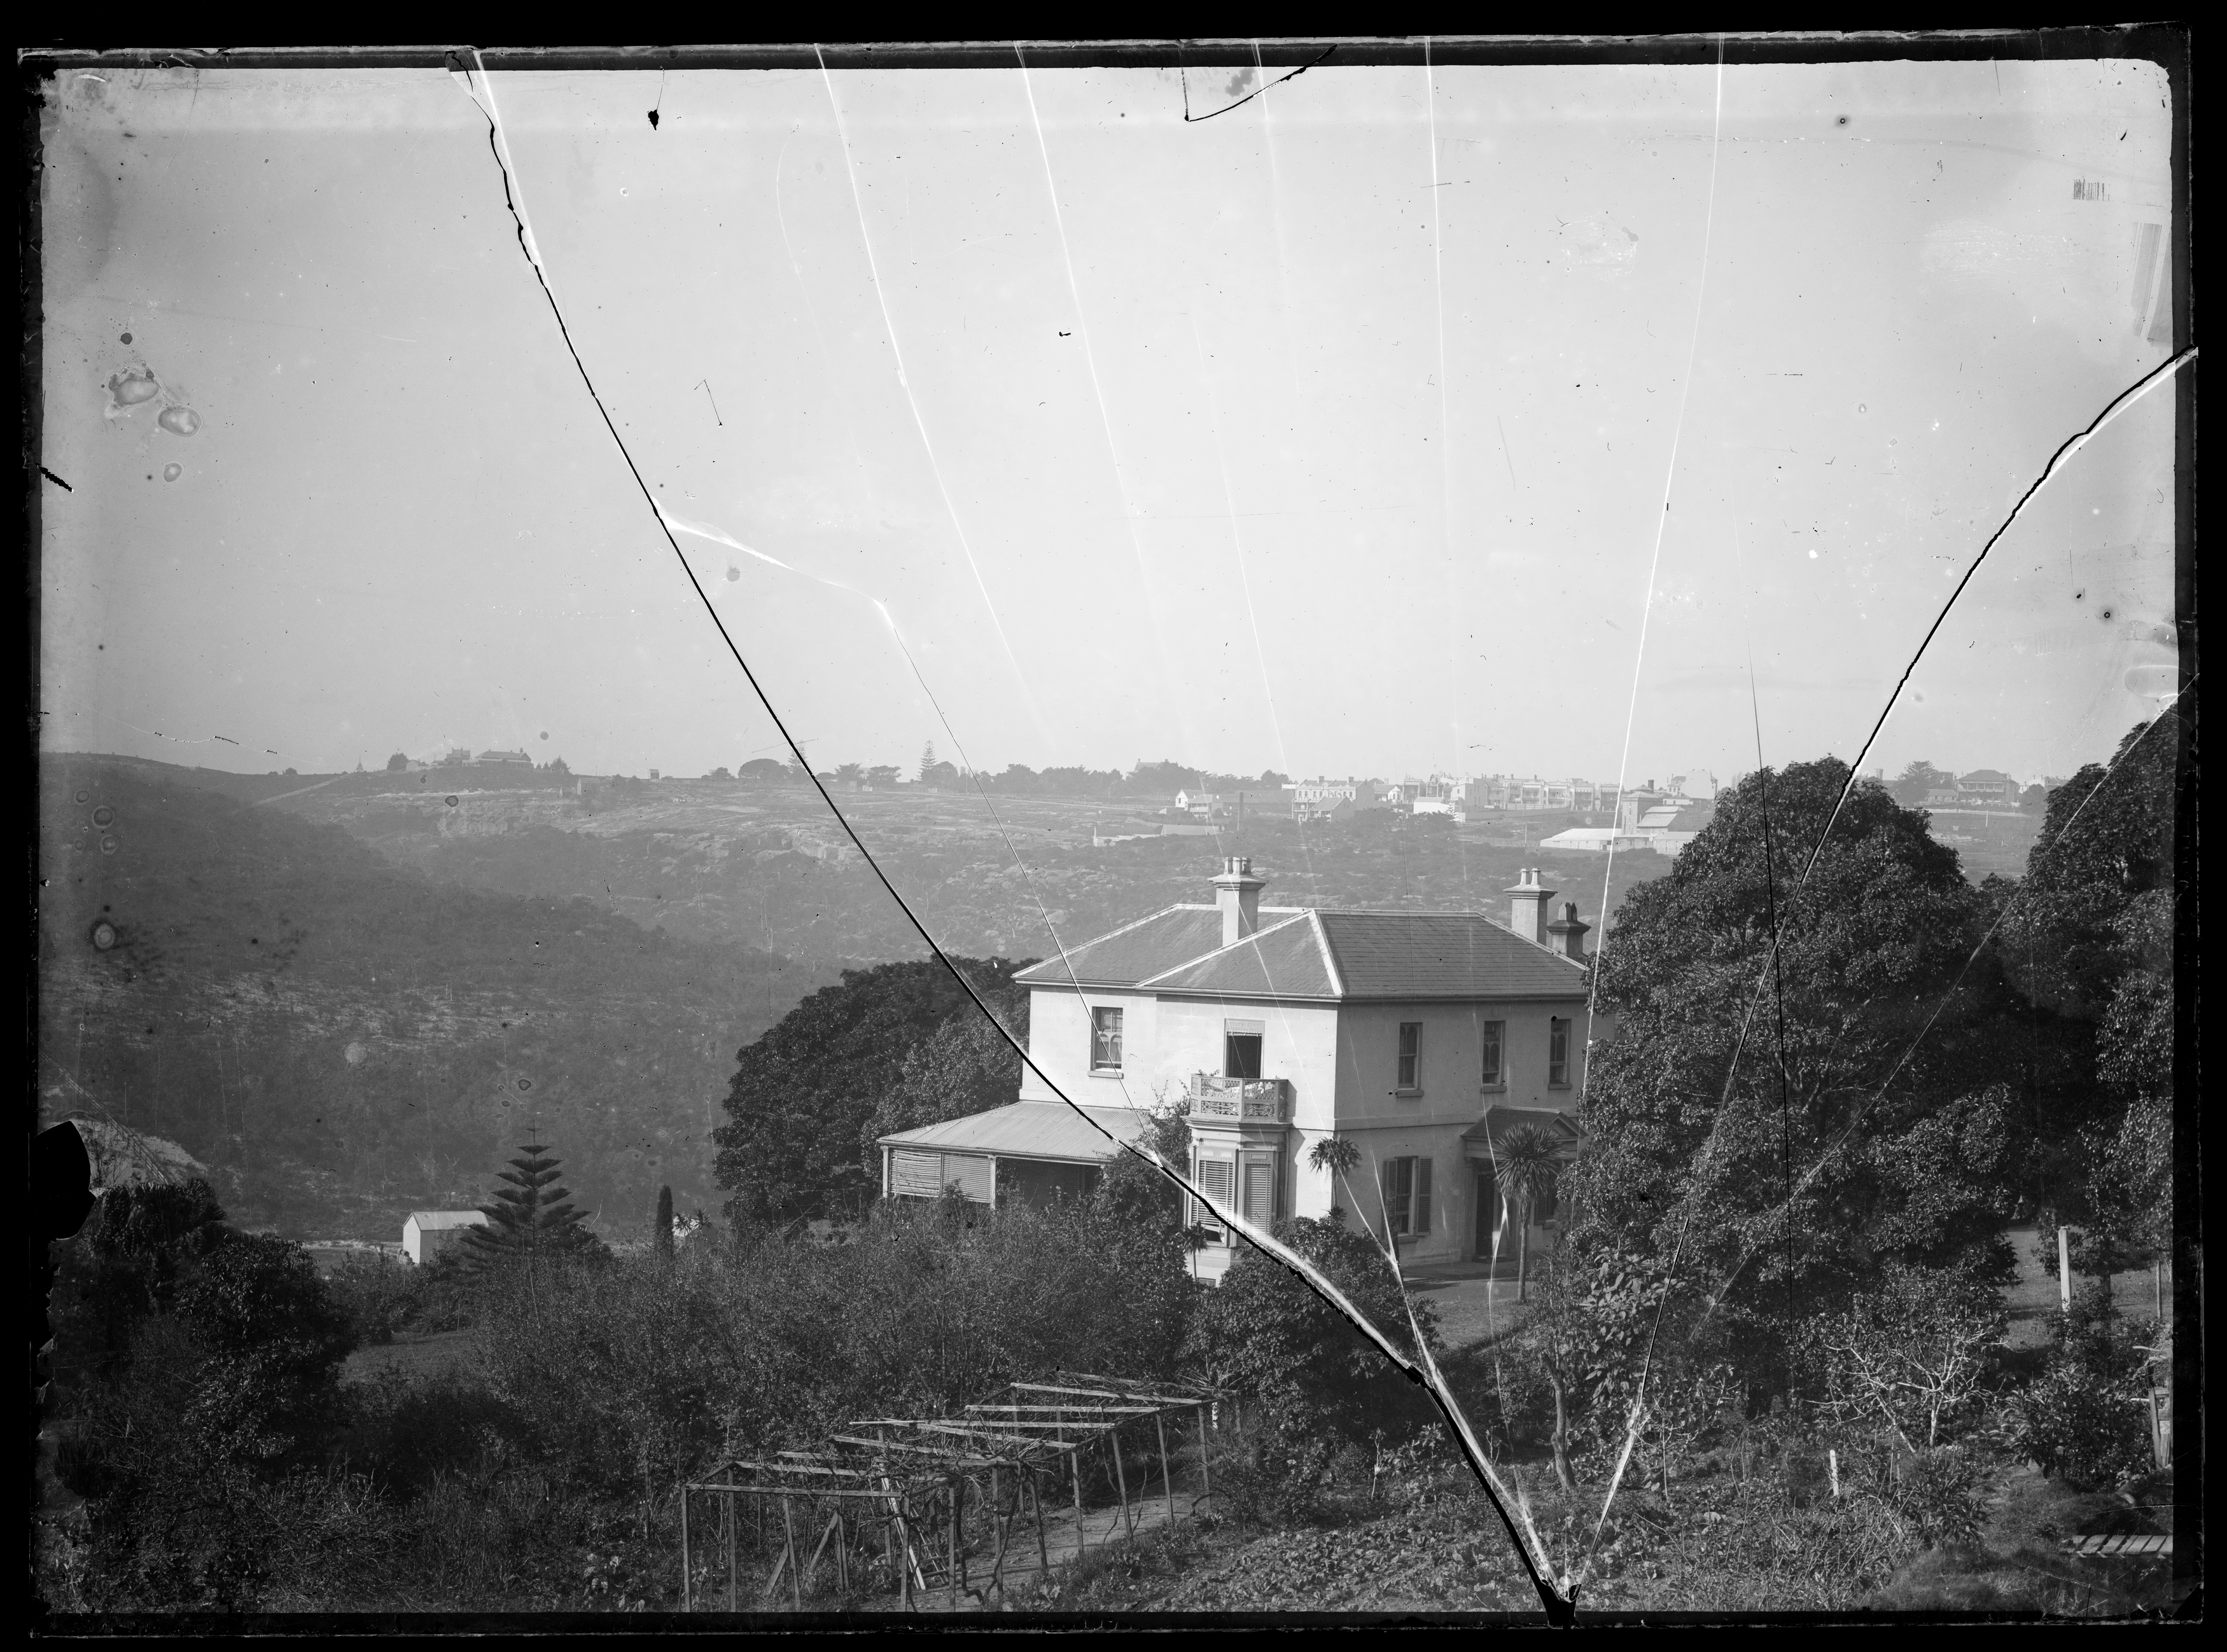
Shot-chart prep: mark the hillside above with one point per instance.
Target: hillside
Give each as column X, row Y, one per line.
column 342, row 1040
column 769, row 867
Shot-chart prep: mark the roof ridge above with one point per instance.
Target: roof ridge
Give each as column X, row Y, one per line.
column 1331, row 966
column 1065, row 954
column 1192, row 963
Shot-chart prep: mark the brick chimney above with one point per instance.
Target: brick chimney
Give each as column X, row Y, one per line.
column 1569, row 933
column 1527, row 908
column 1237, row 892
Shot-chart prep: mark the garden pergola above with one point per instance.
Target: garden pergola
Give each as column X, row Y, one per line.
column 916, row 1499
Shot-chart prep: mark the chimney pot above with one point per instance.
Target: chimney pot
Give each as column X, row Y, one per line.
column 1569, row 934
column 1237, row 892
column 1526, row 907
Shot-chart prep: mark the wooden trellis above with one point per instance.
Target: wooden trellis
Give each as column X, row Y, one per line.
column 920, row 1501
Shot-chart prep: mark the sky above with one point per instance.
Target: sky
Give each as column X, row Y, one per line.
column 1607, row 421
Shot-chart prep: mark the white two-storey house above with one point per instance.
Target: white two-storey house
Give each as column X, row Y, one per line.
column 1419, row 1036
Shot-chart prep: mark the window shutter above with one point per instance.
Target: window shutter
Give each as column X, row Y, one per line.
column 1422, row 1203
column 1214, row 1179
column 1399, row 1175
column 1260, row 1192
column 915, row 1175
column 971, row 1171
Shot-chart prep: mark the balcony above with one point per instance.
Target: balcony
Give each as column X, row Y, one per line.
column 1249, row 1100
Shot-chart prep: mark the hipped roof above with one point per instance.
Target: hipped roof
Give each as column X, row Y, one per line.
column 1320, row 955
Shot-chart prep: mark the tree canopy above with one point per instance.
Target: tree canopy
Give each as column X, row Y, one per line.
column 532, row 1217
column 803, row 1095
column 1779, row 1121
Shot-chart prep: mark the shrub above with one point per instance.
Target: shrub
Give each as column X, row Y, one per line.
column 1320, row 1388
column 2081, row 1420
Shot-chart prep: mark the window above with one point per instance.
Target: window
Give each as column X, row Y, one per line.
column 1558, row 1052
column 1105, row 1041
column 1240, row 1056
column 1495, row 1034
column 1214, row 1176
column 1408, row 1195
column 1411, row 1056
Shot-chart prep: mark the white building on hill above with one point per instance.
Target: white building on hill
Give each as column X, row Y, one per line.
column 1422, row 1037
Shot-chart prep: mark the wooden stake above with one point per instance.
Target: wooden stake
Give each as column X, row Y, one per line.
column 832, row 1525
column 997, row 1562
column 1167, row 1486
column 1043, row 1555
column 733, row 1519
column 1075, row 1465
column 1113, row 1437
column 788, row 1525
column 688, row 1588
column 951, row 1543
column 1203, row 1488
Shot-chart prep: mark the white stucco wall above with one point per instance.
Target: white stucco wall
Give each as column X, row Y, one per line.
column 1453, row 1098
column 1342, row 1064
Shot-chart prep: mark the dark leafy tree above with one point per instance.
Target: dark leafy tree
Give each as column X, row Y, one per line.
column 1150, row 779
column 125, row 1266
column 2089, row 937
column 803, row 1094
column 662, row 1236
column 1785, row 1142
column 965, row 1067
column 533, row 1218
column 275, row 1338
column 397, row 763
column 1319, row 1387
column 1916, row 780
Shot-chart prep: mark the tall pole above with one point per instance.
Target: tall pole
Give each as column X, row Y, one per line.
column 2065, row 1268
column 952, row 1542
column 1075, row 1467
column 687, row 1594
column 1114, row 1438
column 1043, row 1555
column 788, row 1525
column 1167, row 1485
column 734, row 1571
column 1203, row 1487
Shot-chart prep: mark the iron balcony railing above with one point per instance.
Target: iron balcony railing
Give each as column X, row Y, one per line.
column 1264, row 1099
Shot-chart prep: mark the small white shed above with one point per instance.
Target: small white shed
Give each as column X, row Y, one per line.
column 429, row 1233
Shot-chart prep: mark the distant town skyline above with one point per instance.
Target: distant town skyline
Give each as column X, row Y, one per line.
column 1398, row 421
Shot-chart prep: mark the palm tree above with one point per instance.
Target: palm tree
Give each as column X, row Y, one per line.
column 1524, row 1169
column 1339, row 1156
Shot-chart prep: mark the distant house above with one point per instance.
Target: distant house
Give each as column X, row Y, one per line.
column 428, row 1234
column 503, row 757
column 1988, row 788
column 1204, row 804
column 1422, row 1037
column 1318, row 799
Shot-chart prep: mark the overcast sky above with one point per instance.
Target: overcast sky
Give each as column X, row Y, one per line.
column 1333, row 434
